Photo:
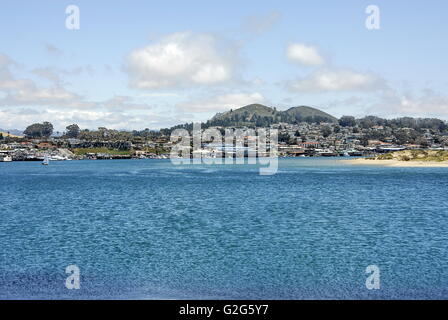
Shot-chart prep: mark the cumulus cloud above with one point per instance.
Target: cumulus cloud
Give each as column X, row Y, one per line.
column 181, row 60
column 20, row 118
column 24, row 101
column 25, row 91
column 223, row 102
column 43, row 95
column 304, row 54
column 336, row 80
column 16, row 91
column 425, row 103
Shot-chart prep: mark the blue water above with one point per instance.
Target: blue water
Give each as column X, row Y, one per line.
column 146, row 229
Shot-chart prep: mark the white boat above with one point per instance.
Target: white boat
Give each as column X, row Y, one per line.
column 6, row 159
column 46, row 161
column 57, row 158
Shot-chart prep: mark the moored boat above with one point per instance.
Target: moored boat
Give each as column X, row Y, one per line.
column 46, row 161
column 6, row 159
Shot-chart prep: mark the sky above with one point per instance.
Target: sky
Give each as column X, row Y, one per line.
column 153, row 64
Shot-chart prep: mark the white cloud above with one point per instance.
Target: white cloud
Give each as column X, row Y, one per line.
column 25, row 91
column 222, row 102
column 122, row 103
column 336, row 80
column 20, row 118
column 24, row 101
column 304, row 54
column 181, row 60
column 425, row 104
column 43, row 95
column 16, row 91
column 159, row 94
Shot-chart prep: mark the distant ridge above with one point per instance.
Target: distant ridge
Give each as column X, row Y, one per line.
column 304, row 111
column 260, row 115
column 250, row 109
column 12, row 133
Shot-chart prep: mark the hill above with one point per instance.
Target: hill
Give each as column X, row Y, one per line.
column 248, row 111
column 304, row 112
column 14, row 132
column 262, row 116
column 5, row 134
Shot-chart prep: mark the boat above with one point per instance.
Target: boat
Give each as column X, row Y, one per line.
column 6, row 159
column 46, row 161
column 57, row 158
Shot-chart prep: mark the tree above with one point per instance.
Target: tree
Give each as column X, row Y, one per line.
column 347, row 121
column 73, row 131
column 364, row 141
column 47, row 129
column 1, row 136
column 326, row 131
column 33, row 131
column 370, row 121
column 283, row 137
column 39, row 130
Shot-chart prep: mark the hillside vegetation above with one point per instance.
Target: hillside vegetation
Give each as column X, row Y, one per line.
column 84, row 151
column 415, row 155
column 5, row 134
column 262, row 116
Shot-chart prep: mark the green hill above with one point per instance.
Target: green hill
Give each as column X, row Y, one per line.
column 304, row 112
column 262, row 116
column 247, row 111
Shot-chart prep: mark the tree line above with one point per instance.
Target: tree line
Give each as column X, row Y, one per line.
column 45, row 129
column 404, row 122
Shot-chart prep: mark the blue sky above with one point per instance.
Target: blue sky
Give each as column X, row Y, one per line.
column 153, row 64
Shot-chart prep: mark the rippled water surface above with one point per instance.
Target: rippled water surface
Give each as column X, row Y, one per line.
column 148, row 229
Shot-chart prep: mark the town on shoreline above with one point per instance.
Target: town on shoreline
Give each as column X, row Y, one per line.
column 302, row 132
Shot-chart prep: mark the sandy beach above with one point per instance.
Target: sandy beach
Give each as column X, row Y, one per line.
column 397, row 163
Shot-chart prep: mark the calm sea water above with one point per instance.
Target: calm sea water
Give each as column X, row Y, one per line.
column 148, row 229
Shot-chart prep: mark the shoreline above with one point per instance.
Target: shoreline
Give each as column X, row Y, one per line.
column 398, row 163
